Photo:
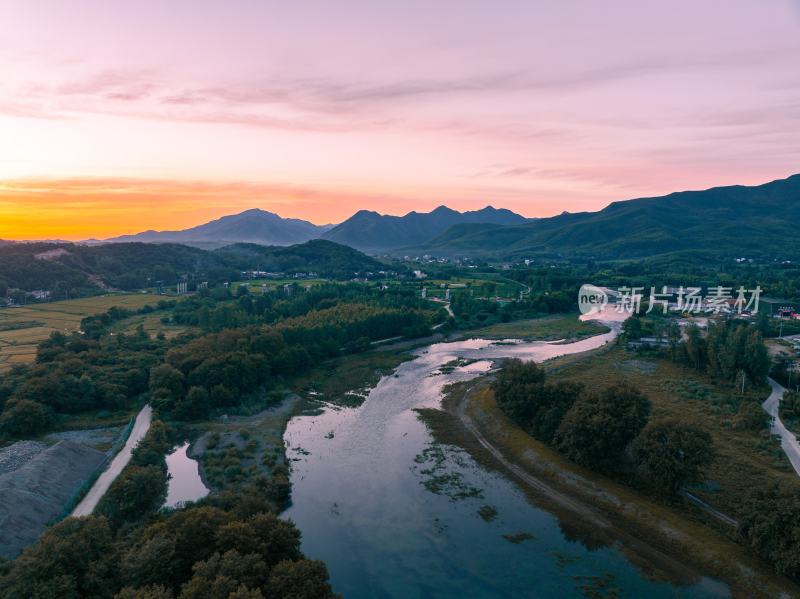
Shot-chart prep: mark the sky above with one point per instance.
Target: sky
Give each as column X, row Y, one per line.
column 117, row 117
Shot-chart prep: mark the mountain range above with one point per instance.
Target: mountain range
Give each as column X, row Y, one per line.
column 250, row 226
column 758, row 220
column 735, row 220
column 367, row 230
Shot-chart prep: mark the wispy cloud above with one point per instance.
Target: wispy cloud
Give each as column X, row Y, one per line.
column 323, row 104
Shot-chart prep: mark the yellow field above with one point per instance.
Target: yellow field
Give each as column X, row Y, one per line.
column 23, row 328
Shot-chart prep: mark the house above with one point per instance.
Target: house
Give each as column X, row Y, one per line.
column 774, row 306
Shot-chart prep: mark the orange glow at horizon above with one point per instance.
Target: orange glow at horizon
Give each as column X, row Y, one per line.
column 76, row 209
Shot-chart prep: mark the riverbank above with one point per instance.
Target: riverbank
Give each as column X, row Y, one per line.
column 663, row 541
column 555, row 327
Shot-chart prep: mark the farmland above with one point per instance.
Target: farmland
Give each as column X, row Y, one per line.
column 23, row 328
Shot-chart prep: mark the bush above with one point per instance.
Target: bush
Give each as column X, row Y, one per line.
column 668, row 455
column 598, row 427
column 139, row 490
column 770, row 524
column 24, row 418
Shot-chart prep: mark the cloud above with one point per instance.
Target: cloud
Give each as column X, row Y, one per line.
column 324, row 104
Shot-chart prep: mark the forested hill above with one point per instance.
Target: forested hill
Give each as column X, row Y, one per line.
column 73, row 269
column 323, row 257
column 736, row 220
column 372, row 231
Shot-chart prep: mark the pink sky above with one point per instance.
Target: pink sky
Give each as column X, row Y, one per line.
column 119, row 116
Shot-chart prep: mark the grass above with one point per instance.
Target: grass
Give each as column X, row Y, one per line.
column 745, row 459
column 152, row 325
column 237, row 448
column 547, row 328
column 23, row 328
column 345, row 380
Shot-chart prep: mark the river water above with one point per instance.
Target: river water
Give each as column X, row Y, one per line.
column 393, row 514
column 185, row 484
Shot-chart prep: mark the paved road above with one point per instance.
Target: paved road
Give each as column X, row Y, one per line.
column 788, row 440
column 101, row 485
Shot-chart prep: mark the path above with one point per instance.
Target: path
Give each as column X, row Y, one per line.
column 102, row 484
column 531, row 481
column 788, row 440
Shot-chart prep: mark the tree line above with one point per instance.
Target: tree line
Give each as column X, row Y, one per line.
column 264, row 339
column 228, row 546
column 607, row 430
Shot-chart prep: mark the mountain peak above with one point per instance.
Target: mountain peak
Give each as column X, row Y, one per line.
column 442, row 209
column 382, row 232
column 250, row 226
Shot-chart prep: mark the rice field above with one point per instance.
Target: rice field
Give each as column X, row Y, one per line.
column 23, row 328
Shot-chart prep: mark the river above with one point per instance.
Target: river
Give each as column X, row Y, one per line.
column 394, row 514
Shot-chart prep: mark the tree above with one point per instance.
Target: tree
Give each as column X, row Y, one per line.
column 148, row 592
column 75, row 558
column 195, row 405
column 150, row 562
column 770, row 523
column 790, row 404
column 756, row 357
column 514, row 387
column 136, row 492
column 668, row 455
column 24, row 418
column 303, row 579
column 249, row 571
column 764, row 325
column 632, row 328
column 695, row 347
column 166, row 382
column 598, row 427
column 674, row 339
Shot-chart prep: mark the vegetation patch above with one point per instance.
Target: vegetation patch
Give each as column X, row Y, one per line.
column 518, row 537
column 440, row 474
column 546, row 328
column 488, row 513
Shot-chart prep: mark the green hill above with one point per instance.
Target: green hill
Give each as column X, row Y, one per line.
column 737, row 220
column 323, row 257
column 369, row 230
column 69, row 269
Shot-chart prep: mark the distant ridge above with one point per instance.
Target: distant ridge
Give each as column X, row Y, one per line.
column 761, row 220
column 251, row 226
column 73, row 269
column 368, row 230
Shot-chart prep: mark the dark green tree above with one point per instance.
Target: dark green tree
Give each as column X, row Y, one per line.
column 669, row 455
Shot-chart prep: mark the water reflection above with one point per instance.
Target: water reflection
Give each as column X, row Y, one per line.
column 395, row 515
column 185, row 484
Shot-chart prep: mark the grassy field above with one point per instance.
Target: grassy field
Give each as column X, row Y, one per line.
column 151, row 323
column 255, row 285
column 745, row 459
column 547, row 328
column 23, row 328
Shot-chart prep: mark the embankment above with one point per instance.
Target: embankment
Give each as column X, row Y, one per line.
column 34, row 494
